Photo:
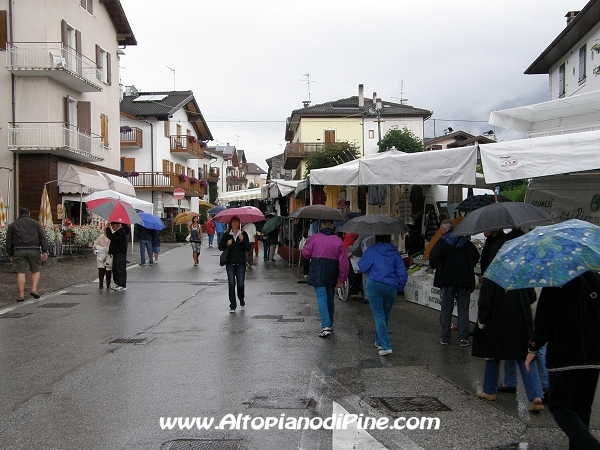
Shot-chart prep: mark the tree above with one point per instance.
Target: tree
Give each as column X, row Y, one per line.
column 252, row 185
column 213, row 192
column 335, row 153
column 404, row 140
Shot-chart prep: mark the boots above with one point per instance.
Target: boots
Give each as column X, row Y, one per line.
column 101, row 272
column 108, row 275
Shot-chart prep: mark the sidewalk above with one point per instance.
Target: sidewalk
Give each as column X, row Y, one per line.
column 61, row 272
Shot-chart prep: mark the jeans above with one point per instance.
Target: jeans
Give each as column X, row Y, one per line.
column 210, row 239
column 146, row 246
column 265, row 250
column 570, row 402
column 326, row 307
column 219, row 237
column 510, row 370
column 463, row 297
column 381, row 299
column 531, row 380
column 235, row 275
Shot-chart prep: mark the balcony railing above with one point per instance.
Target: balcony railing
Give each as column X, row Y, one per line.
column 57, row 61
column 297, row 151
column 132, row 139
column 243, row 167
column 233, row 180
column 160, row 181
column 181, row 144
column 55, row 137
column 213, row 175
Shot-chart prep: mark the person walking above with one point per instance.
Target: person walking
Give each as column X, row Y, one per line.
column 24, row 239
column 273, row 241
column 250, row 230
column 454, row 259
column 156, row 244
column 195, row 232
column 505, row 324
column 238, row 243
column 211, row 228
column 328, row 270
column 144, row 236
column 568, row 320
column 117, row 234
column 386, row 277
column 100, row 247
column 220, row 230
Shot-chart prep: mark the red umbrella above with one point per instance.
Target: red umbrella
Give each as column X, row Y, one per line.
column 246, row 214
column 114, row 210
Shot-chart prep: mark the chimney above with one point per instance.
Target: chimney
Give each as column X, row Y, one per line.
column 378, row 103
column 570, row 16
column 361, row 96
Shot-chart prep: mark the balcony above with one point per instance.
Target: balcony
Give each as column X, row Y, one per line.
column 236, row 181
column 213, row 175
column 56, row 61
column 56, row 138
column 181, row 144
column 160, row 181
column 243, row 167
column 294, row 153
column 131, row 137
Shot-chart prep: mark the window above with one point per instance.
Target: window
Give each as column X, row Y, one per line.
column 582, row 55
column 104, row 128
column 167, row 128
column 178, row 130
column 167, row 166
column 88, row 6
column 103, row 65
column 371, row 134
column 561, row 81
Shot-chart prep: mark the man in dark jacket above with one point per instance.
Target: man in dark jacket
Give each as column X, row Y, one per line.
column 454, row 259
column 568, row 319
column 24, row 238
column 117, row 234
column 145, row 237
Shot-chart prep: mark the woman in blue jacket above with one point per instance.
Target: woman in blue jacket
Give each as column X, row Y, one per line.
column 386, row 276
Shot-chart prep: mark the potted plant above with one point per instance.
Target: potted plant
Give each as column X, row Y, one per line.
column 126, row 129
column 194, row 180
column 69, row 229
column 182, row 177
column 192, row 139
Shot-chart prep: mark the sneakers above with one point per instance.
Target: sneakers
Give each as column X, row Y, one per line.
column 385, row 352
column 141, row 264
column 507, row 389
column 232, row 310
column 443, row 342
column 379, row 347
column 464, row 343
column 325, row 332
column 119, row 288
column 488, row 397
column 151, row 263
column 536, row 405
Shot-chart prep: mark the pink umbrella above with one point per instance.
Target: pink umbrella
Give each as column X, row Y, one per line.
column 114, row 210
column 246, row 214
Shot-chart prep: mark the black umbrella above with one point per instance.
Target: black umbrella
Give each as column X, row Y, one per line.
column 479, row 201
column 377, row 224
column 499, row 216
column 318, row 212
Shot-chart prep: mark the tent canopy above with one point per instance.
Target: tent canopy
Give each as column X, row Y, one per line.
column 278, row 188
column 243, row 195
column 74, row 179
column 119, row 184
column 538, row 157
column 450, row 166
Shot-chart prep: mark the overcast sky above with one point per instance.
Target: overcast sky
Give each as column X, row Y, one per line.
column 245, row 60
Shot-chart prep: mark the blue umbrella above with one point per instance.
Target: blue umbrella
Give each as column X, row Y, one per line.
column 151, row 222
column 547, row 256
column 215, row 210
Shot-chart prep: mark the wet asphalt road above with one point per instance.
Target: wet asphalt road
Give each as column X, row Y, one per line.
column 66, row 386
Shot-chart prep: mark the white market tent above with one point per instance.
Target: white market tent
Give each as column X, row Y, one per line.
column 539, row 157
column 450, row 166
column 243, row 195
column 278, row 188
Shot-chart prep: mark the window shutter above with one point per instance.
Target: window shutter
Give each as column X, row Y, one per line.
column 167, row 128
column 90, row 6
column 84, row 4
column 104, row 128
column 84, row 117
column 67, row 118
column 108, row 69
column 78, row 51
column 128, row 164
column 165, row 166
column 3, row 30
column 98, row 63
column 64, row 32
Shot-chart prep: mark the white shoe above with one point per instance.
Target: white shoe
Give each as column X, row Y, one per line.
column 385, row 352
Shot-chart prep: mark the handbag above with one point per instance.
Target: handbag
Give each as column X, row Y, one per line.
column 302, row 243
column 224, row 256
column 188, row 237
column 108, row 262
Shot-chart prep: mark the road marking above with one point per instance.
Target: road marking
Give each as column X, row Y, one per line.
column 352, row 437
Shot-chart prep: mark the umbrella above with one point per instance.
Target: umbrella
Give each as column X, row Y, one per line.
column 114, row 210
column 317, row 212
column 377, row 224
column 479, row 201
column 436, row 236
column 151, row 222
column 185, row 217
column 45, row 217
column 349, row 215
column 246, row 214
column 498, row 216
column 271, row 224
column 2, row 212
column 205, row 205
column 216, row 209
column 548, row 256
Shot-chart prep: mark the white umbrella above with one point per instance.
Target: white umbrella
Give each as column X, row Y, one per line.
column 2, row 212
column 45, row 217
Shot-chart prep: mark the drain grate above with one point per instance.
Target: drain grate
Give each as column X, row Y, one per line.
column 290, row 320
column 13, row 315
column 58, row 305
column 282, row 293
column 205, row 444
column 281, row 403
column 74, row 293
column 427, row 404
column 267, row 317
column 127, row 341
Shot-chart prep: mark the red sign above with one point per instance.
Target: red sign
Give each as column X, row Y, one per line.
column 178, row 193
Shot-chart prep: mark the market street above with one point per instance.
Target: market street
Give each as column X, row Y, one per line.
column 182, row 354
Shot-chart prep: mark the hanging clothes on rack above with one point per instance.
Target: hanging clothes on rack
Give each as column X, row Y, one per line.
column 332, row 195
column 405, row 208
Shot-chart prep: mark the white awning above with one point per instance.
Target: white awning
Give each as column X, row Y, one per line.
column 278, row 188
column 135, row 202
column 119, row 184
column 539, row 157
column 74, row 179
column 576, row 113
column 243, row 195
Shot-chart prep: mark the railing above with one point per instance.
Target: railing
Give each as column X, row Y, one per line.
column 181, row 143
column 165, row 181
column 303, row 149
column 243, row 167
column 132, row 138
column 213, row 175
column 54, row 136
column 52, row 56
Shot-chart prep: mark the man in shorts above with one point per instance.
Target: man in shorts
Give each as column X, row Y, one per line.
column 24, row 238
